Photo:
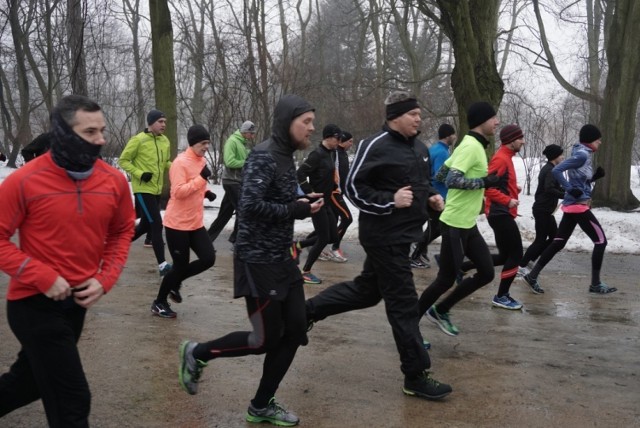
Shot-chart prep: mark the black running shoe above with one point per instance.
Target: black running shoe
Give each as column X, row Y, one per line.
column 533, row 283
column 163, row 310
column 175, row 295
column 424, row 386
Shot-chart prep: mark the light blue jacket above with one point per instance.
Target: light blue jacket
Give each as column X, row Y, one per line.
column 579, row 171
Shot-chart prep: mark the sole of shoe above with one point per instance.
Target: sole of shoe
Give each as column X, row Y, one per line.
column 418, row 394
column 440, row 326
column 608, row 291
column 259, row 419
column 163, row 315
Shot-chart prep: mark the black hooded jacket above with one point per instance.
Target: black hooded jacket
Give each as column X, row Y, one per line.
column 267, row 207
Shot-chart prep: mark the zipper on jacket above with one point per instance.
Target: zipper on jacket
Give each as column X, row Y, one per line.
column 79, row 193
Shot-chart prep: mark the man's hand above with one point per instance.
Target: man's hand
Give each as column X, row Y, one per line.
column 210, row 195
column 403, row 198
column 88, row 292
column 205, row 173
column 146, row 176
column 513, row 203
column 315, row 207
column 436, row 202
column 60, row 289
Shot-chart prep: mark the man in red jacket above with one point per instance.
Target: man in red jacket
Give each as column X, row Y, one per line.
column 74, row 215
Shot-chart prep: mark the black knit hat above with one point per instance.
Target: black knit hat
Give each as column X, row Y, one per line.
column 153, row 116
column 331, row 130
column 589, row 134
column 510, row 133
column 478, row 113
column 445, row 130
column 552, row 151
column 197, row 134
column 346, row 136
column 399, row 103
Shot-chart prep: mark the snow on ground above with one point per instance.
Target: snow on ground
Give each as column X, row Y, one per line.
column 622, row 229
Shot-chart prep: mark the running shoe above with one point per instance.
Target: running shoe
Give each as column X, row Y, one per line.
column 425, row 260
column 418, row 264
column 424, row 386
column 274, row 413
column 601, row 288
column 426, row 344
column 163, row 310
column 506, row 302
column 175, row 296
column 533, row 283
column 338, row 256
column 522, row 271
column 190, row 369
column 165, row 269
column 442, row 321
column 325, row 256
column 148, row 243
column 310, row 278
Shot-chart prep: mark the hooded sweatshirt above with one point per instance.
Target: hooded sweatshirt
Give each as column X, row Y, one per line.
column 267, row 206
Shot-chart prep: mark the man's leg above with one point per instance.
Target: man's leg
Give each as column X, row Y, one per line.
column 233, row 190
column 48, row 332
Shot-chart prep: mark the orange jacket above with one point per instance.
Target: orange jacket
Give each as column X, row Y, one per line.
column 73, row 229
column 185, row 208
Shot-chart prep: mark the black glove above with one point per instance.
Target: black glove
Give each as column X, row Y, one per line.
column 491, row 180
column 210, row 195
column 575, row 192
column 2, row 157
column 598, row 174
column 146, row 176
column 205, row 173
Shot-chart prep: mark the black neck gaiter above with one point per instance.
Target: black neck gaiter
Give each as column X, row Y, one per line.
column 69, row 150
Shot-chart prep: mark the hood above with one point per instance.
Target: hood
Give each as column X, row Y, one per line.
column 288, row 108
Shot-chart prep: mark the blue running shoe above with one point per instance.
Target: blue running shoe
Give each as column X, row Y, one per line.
column 506, row 302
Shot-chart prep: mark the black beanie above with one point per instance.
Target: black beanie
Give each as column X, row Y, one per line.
column 478, row 113
column 445, row 130
column 589, row 134
column 331, row 130
column 552, row 151
column 399, row 103
column 346, row 136
column 153, row 116
column 510, row 133
column 196, row 134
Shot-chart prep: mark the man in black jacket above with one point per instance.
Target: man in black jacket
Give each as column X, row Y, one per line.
column 265, row 274
column 390, row 184
column 317, row 174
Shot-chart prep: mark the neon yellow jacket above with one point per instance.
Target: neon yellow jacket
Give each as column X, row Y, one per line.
column 146, row 152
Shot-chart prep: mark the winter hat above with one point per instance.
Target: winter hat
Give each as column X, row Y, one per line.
column 331, row 130
column 153, row 116
column 510, row 133
column 552, row 151
column 478, row 113
column 445, row 130
column 589, row 134
column 346, row 136
column 197, row 134
column 399, row 103
column 248, row 126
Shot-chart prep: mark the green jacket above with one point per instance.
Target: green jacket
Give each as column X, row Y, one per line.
column 234, row 154
column 146, row 152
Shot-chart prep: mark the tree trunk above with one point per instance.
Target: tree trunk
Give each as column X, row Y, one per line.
column 163, row 67
column 619, row 107
column 75, row 37
column 472, row 27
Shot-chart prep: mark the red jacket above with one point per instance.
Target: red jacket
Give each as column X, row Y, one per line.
column 497, row 199
column 74, row 229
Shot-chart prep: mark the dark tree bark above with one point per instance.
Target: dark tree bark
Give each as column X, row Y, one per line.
column 75, row 38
